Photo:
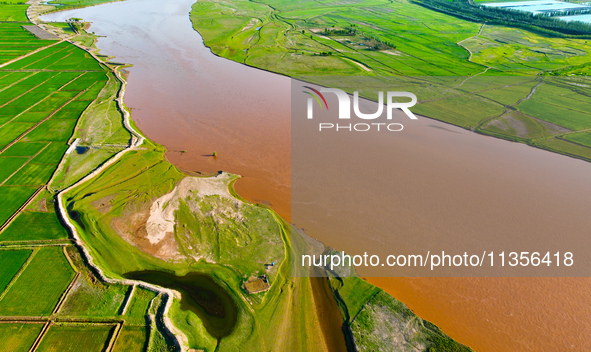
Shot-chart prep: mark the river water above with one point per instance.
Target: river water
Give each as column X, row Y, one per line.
column 195, row 103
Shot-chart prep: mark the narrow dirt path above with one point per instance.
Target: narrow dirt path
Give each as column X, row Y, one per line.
column 470, row 57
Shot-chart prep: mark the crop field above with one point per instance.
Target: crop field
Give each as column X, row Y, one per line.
column 92, row 299
column 18, row 336
column 404, row 35
column 32, row 117
column 12, row 130
column 12, row 199
column 51, row 154
column 131, row 338
column 139, row 304
column 16, row 41
column 32, row 175
column 11, row 261
column 64, row 338
column 13, row 13
column 52, row 131
column 565, row 146
column 23, row 150
column 39, row 287
column 62, row 56
column 560, row 105
column 34, row 225
column 509, row 95
column 581, row 138
column 473, row 110
column 10, row 165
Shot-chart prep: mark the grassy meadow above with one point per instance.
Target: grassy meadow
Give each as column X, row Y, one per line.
column 453, row 65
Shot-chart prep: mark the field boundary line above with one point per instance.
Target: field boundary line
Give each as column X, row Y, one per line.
column 40, row 336
column 127, row 301
column 114, row 337
column 70, row 260
column 34, row 242
column 22, row 321
column 23, row 165
column 30, row 53
column 60, row 303
column 18, row 273
column 22, row 94
column 33, row 246
column 47, row 118
column 22, row 207
column 43, row 58
column 62, row 320
column 14, row 83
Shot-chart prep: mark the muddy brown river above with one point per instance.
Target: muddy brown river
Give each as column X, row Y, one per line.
column 195, row 103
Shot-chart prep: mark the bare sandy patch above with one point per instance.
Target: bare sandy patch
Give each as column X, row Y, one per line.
column 151, row 227
column 250, row 24
column 392, row 52
column 104, row 204
column 361, row 65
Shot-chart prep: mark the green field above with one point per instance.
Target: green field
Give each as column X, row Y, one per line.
column 581, row 138
column 52, row 154
column 66, row 338
column 11, row 262
column 131, row 338
column 32, row 175
column 39, row 287
column 139, row 304
column 24, row 149
column 10, row 165
column 34, row 225
column 13, row 198
column 52, row 131
column 18, row 336
column 12, row 130
column 13, row 13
